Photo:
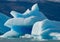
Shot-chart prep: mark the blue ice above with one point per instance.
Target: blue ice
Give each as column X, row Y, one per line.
column 22, row 23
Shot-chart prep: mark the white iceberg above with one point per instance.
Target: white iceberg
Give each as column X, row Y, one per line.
column 10, row 34
column 22, row 23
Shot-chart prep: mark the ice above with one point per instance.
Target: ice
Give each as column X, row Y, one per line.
column 45, row 27
column 26, row 36
column 10, row 34
column 33, row 37
column 22, row 23
column 32, row 22
column 16, row 14
column 14, row 21
column 55, row 35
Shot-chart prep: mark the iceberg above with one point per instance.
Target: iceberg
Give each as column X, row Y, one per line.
column 22, row 26
column 3, row 19
column 45, row 27
column 23, row 23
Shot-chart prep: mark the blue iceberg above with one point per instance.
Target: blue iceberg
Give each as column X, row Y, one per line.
column 23, row 23
column 33, row 12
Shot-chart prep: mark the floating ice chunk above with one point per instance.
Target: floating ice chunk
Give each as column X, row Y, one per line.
column 45, row 27
column 32, row 37
column 14, row 21
column 21, row 21
column 37, row 28
column 23, row 24
column 26, row 36
column 55, row 35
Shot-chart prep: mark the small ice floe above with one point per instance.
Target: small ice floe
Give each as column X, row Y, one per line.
column 33, row 37
column 55, row 35
column 26, row 36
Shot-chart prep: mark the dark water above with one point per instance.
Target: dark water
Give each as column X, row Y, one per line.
column 23, row 29
column 50, row 9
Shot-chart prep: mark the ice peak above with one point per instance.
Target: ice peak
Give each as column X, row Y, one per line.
column 15, row 14
column 35, row 7
column 26, row 12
